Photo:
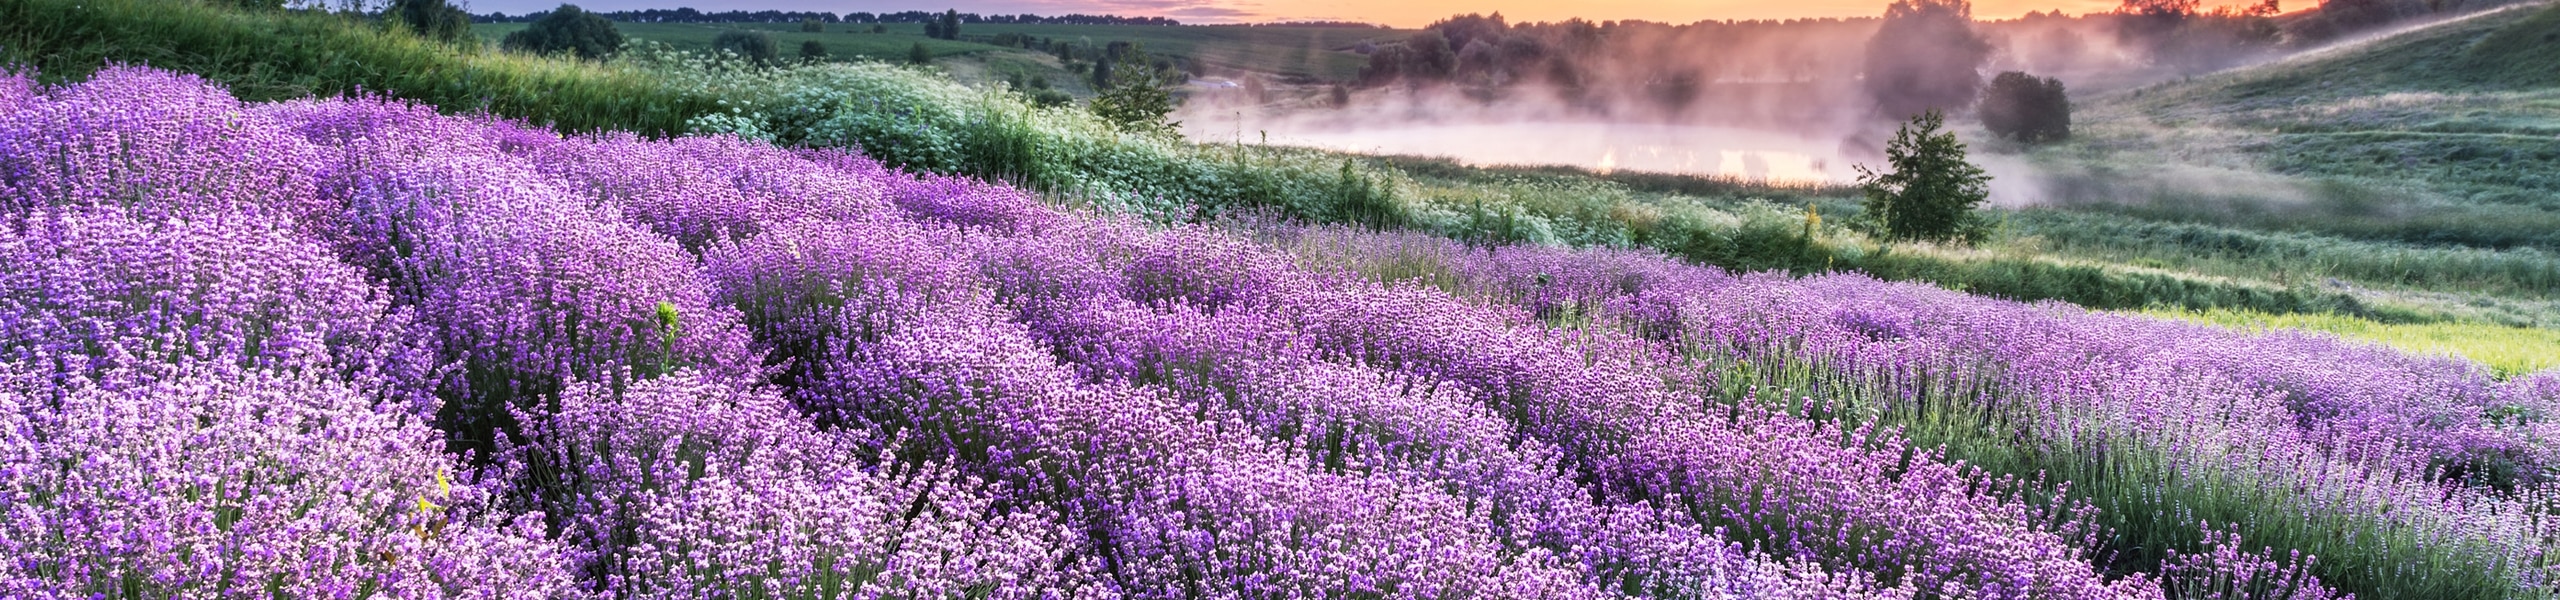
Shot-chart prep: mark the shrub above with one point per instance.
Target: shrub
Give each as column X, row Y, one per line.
column 1931, row 191
column 2026, row 108
column 433, row 19
column 813, row 50
column 754, row 46
column 568, row 29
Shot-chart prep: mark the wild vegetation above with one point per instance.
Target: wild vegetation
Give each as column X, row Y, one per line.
column 355, row 311
column 607, row 356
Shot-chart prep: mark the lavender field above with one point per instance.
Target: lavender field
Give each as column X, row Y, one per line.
column 358, row 349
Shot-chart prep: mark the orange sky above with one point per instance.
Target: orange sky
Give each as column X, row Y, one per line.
column 1416, row 13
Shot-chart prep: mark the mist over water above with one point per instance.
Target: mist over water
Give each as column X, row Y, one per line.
column 1710, row 150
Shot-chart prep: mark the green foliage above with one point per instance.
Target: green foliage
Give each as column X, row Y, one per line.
column 1931, row 192
column 753, row 46
column 432, row 19
column 813, row 50
column 918, row 55
column 571, row 30
column 812, row 26
column 2026, row 108
column 1134, row 96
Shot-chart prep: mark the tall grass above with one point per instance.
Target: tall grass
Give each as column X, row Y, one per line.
column 2507, row 351
column 2285, row 257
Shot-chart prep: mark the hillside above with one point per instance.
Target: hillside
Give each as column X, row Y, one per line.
column 2425, row 136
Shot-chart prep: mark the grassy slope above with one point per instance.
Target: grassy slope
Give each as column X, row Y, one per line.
column 2411, row 138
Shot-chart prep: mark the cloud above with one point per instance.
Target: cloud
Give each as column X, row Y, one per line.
column 1211, row 12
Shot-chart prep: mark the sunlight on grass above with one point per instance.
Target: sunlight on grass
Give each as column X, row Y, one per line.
column 2507, row 351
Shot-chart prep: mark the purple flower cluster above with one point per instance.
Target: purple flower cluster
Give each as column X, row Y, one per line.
column 350, row 348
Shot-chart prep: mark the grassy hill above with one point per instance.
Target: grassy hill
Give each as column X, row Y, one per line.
column 2426, row 137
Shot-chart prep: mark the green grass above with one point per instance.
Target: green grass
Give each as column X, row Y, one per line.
column 2507, row 351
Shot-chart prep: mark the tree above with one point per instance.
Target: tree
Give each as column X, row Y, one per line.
column 917, row 55
column 1925, row 56
column 812, row 26
column 567, row 29
column 1931, row 192
column 1134, row 97
column 432, row 19
column 751, row 45
column 813, row 51
column 2026, row 108
column 933, row 29
column 951, row 24
column 879, row 29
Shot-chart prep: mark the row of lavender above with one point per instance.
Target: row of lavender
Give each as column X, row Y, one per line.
column 339, row 348
column 2409, row 476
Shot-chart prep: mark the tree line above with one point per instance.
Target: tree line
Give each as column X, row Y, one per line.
column 691, row 15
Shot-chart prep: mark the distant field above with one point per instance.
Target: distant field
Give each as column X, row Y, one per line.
column 1312, row 51
column 1307, row 51
column 697, row 37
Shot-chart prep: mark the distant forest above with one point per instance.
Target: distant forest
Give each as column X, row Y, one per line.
column 690, row 15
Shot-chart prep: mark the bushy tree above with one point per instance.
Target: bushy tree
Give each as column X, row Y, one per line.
column 918, row 55
column 1931, row 192
column 1135, row 95
column 1424, row 57
column 1926, row 56
column 432, row 19
column 812, row 26
column 567, row 29
column 951, row 24
column 751, row 45
column 812, row 50
column 2026, row 108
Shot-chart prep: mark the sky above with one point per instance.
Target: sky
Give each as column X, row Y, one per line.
column 1399, row 13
